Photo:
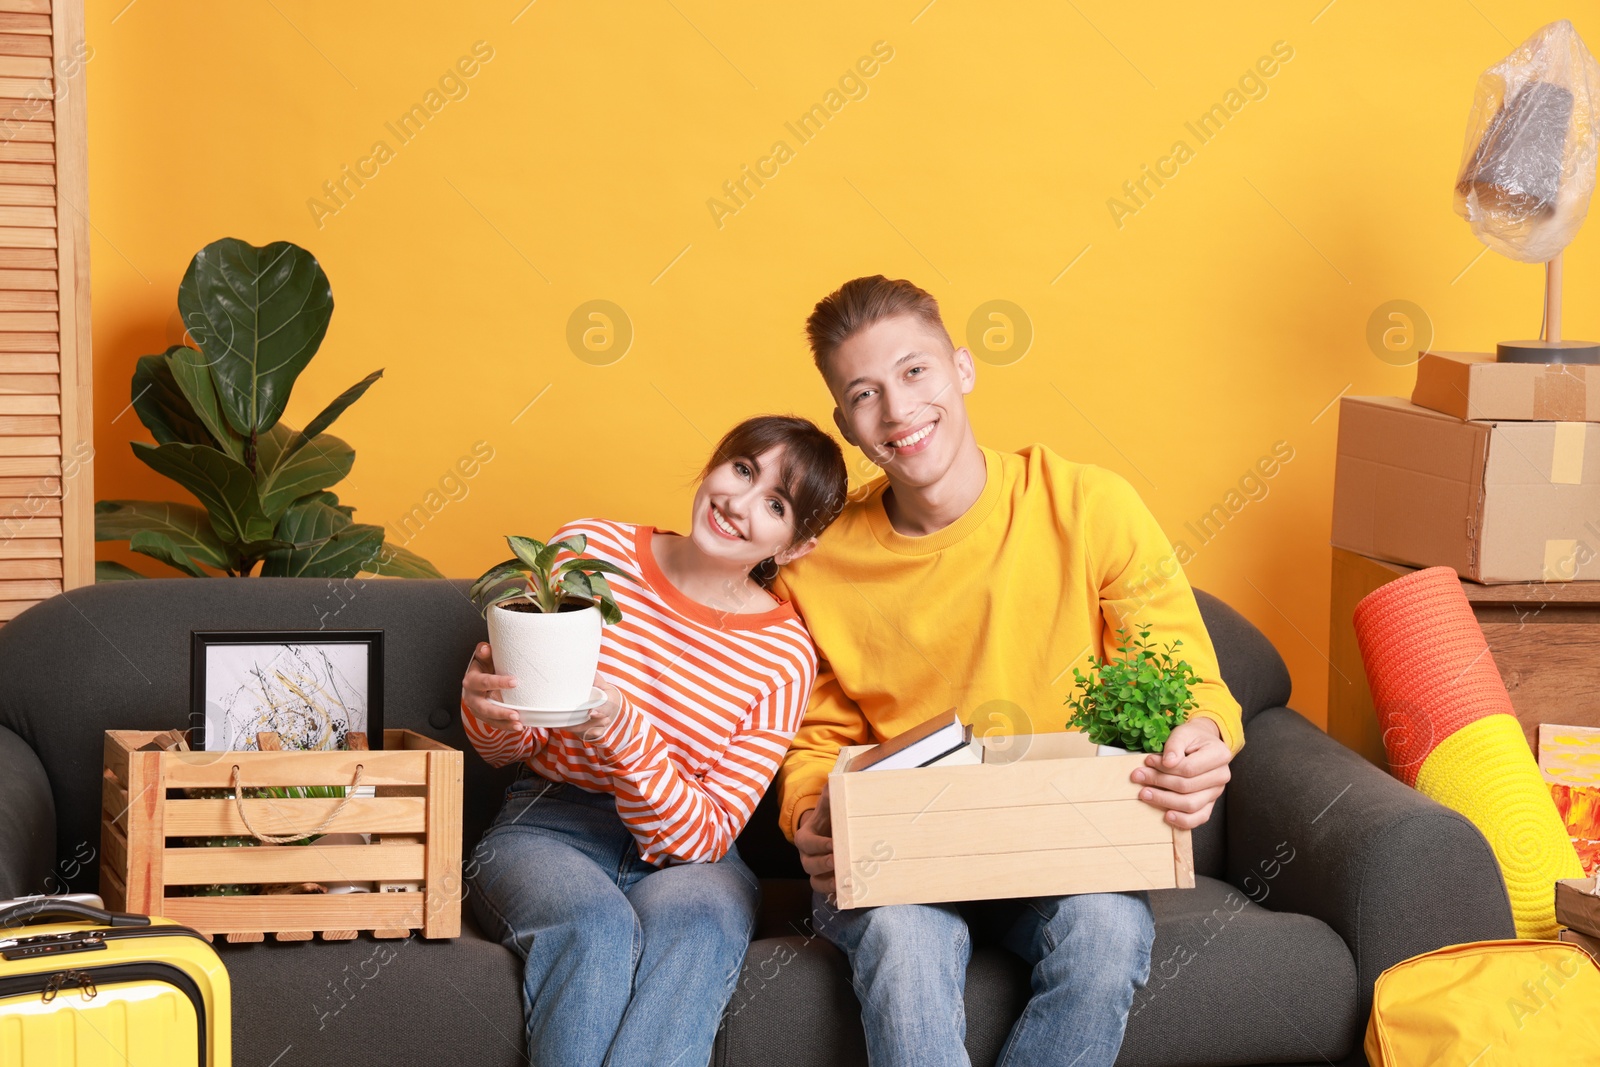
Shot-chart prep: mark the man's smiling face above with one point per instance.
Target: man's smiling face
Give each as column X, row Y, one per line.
column 899, row 391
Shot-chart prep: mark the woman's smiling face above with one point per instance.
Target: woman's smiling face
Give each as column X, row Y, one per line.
column 742, row 513
column 899, row 392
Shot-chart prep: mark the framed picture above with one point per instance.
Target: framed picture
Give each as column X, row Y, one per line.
column 313, row 688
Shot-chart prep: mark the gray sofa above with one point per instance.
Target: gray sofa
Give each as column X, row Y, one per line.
column 1315, row 872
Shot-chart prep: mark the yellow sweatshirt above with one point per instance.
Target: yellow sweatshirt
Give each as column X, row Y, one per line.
column 989, row 614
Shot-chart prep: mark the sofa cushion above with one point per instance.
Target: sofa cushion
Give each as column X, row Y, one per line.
column 1230, row 982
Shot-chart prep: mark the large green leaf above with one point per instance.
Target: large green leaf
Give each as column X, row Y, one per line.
column 223, row 484
column 161, row 405
column 192, row 373
column 160, row 546
column 326, row 543
column 184, row 524
column 394, row 561
column 106, row 570
column 259, row 315
column 334, row 409
column 292, row 475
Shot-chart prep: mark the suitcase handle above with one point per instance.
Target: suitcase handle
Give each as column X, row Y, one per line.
column 19, row 914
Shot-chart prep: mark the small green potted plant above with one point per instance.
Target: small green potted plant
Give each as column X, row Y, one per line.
column 1131, row 704
column 545, row 622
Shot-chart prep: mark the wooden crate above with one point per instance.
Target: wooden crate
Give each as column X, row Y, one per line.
column 417, row 787
column 1042, row 816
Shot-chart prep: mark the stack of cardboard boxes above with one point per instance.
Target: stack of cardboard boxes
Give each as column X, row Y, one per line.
column 1490, row 468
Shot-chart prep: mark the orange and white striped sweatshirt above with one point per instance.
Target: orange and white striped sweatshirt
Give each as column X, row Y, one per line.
column 710, row 702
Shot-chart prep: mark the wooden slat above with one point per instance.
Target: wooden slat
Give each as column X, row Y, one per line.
column 297, row 863
column 26, row 487
column 13, row 321
column 29, row 404
column 37, row 7
column 40, row 280
column 13, row 509
column 12, row 425
column 26, row 110
column 13, row 466
column 112, row 890
column 26, row 88
column 298, row 768
column 24, row 66
column 27, row 300
column 13, row 151
column 27, row 195
column 981, row 832
column 35, row 25
column 28, row 258
column 13, row 44
column 307, row 911
column 1014, row 874
column 207, row 818
column 30, row 446
column 443, row 875
column 26, row 236
column 28, row 589
column 19, row 130
column 27, row 528
column 29, row 362
column 31, row 384
column 27, row 173
column 30, row 342
column 10, row 609
column 12, row 215
column 29, row 548
column 30, row 568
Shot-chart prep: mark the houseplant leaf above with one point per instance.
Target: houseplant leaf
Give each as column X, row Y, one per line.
column 183, row 524
column 160, row 546
column 326, row 543
column 259, row 315
column 162, row 406
column 394, row 561
column 106, row 570
column 192, row 374
column 292, row 475
column 223, row 484
column 334, row 409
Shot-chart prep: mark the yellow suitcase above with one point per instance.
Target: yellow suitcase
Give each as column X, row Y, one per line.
column 108, row 988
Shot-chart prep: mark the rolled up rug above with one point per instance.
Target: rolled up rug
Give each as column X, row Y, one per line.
column 1449, row 732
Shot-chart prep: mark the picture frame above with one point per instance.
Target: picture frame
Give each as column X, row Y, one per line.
column 311, row 687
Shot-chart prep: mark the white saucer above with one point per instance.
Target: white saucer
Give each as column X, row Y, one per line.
column 556, row 716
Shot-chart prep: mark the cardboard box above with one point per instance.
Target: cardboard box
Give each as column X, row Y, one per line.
column 1498, row 501
column 1042, row 816
column 1472, row 385
column 1577, row 906
column 1591, row 945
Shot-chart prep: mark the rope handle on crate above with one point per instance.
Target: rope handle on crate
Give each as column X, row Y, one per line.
column 284, row 839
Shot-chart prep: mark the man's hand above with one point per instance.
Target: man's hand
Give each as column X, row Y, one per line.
column 478, row 687
column 1188, row 776
column 816, row 846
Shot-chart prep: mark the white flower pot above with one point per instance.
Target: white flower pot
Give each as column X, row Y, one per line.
column 1110, row 750
column 552, row 656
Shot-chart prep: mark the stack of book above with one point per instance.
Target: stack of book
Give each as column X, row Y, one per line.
column 942, row 741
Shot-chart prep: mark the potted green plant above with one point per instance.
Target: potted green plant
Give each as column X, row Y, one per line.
column 1131, row 704
column 258, row 316
column 545, row 623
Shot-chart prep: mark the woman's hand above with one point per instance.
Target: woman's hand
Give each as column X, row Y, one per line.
column 600, row 718
column 478, row 687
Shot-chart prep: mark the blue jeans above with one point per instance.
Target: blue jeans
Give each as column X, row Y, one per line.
column 909, row 964
column 625, row 963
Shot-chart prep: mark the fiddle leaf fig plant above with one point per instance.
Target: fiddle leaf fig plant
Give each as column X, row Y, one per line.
column 215, row 412
column 1135, row 701
column 530, row 576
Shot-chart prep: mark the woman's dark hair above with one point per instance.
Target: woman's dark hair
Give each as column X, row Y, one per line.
column 812, row 473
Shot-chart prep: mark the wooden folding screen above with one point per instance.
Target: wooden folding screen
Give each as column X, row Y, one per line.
column 46, row 440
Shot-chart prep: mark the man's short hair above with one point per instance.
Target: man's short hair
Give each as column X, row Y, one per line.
column 859, row 303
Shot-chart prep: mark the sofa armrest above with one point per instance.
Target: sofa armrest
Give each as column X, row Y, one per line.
column 1314, row 828
column 28, row 831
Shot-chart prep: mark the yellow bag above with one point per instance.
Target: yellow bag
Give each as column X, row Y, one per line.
column 1488, row 1004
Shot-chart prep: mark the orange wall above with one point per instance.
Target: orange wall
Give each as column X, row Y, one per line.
column 1177, row 344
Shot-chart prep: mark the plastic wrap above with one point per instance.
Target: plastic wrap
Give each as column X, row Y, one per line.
column 1528, row 165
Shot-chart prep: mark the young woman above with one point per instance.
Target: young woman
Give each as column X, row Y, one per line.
column 611, row 868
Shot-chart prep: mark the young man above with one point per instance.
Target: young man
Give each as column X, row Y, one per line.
column 966, row 576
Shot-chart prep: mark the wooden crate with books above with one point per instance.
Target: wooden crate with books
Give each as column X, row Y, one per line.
column 936, row 815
